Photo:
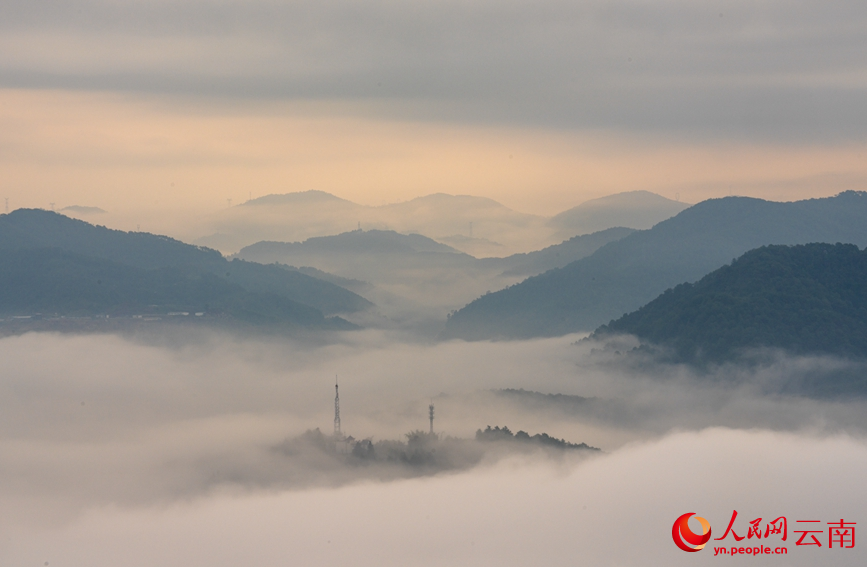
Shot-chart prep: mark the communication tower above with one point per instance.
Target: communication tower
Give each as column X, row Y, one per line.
column 431, row 413
column 337, row 432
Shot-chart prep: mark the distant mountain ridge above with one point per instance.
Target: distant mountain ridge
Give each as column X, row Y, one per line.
column 296, row 217
column 302, row 197
column 623, row 275
column 476, row 225
column 354, row 242
column 87, row 248
column 633, row 209
column 420, row 272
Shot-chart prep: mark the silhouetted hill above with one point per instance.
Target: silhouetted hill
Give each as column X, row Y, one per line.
column 51, row 282
column 299, row 198
column 633, row 209
column 807, row 299
column 31, row 228
column 382, row 257
column 368, row 242
column 558, row 255
column 35, row 228
column 497, row 433
column 624, row 275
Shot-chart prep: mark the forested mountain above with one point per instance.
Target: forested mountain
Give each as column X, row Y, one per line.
column 624, row 275
column 54, row 282
column 34, row 229
column 807, row 299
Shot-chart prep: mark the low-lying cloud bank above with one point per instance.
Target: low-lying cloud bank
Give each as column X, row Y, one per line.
column 167, row 450
column 614, row 510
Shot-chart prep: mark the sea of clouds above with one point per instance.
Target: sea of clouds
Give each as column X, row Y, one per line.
column 157, row 449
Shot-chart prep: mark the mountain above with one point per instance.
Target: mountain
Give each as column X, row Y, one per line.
column 807, row 299
column 624, row 275
column 57, row 283
column 449, row 217
column 410, row 266
column 300, row 198
column 417, row 274
column 633, row 209
column 557, row 255
column 336, row 253
column 37, row 229
column 474, row 224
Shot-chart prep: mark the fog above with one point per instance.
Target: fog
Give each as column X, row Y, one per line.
column 159, row 449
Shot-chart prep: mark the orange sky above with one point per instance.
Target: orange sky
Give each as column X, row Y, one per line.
column 142, row 152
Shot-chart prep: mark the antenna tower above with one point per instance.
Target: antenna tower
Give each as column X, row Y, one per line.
column 431, row 413
column 337, row 433
column 7, row 203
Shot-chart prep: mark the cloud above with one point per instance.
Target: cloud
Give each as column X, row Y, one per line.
column 617, row 509
column 91, row 420
column 756, row 71
column 160, row 449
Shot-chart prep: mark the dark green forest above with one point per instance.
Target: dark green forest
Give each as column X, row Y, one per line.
column 807, row 299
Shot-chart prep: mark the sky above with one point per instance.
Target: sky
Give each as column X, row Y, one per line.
column 163, row 106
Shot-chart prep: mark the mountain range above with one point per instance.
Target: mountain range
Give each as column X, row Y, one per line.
column 477, row 226
column 417, row 271
column 625, row 274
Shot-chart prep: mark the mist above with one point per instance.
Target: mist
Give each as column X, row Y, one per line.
column 165, row 445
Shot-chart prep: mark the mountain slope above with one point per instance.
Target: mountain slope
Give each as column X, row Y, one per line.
column 807, row 299
column 623, row 275
column 55, row 282
column 376, row 256
column 633, row 209
column 558, row 255
column 30, row 228
column 374, row 242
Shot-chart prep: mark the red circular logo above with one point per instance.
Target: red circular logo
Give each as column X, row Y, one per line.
column 684, row 537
